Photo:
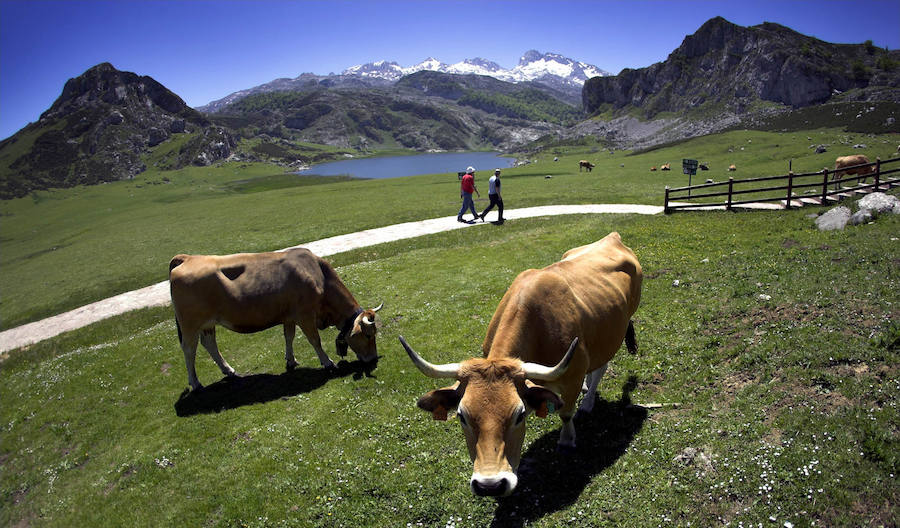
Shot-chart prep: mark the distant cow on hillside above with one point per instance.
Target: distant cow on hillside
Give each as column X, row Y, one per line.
column 584, row 164
column 732, row 168
column 856, row 164
column 665, row 166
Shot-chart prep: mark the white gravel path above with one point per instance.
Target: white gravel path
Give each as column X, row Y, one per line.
column 158, row 294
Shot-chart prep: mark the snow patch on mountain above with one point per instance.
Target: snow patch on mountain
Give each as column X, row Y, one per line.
column 533, row 66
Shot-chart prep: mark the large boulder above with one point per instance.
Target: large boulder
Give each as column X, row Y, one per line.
column 836, row 218
column 861, row 217
column 879, row 203
column 156, row 136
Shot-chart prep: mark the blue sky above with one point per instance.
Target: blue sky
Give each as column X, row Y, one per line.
column 203, row 49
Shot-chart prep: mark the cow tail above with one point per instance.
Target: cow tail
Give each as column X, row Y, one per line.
column 176, row 261
column 630, row 341
column 178, row 327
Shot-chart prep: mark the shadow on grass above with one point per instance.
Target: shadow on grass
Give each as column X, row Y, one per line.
column 550, row 481
column 231, row 393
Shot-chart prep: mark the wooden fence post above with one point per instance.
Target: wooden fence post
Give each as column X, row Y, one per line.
column 787, row 204
column 877, row 173
column 824, row 186
column 730, row 187
column 666, row 203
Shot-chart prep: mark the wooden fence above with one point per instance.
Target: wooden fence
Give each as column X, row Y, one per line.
column 790, row 190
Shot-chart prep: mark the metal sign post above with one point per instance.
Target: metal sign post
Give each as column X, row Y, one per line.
column 689, row 167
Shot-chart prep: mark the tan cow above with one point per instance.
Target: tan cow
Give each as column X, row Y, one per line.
column 585, row 164
column 249, row 292
column 848, row 165
column 665, row 167
column 732, row 168
column 558, row 326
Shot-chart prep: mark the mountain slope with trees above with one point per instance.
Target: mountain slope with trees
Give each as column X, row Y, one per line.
column 423, row 111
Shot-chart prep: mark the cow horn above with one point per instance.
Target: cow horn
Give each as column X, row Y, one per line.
column 448, row 370
column 365, row 321
column 378, row 308
column 536, row 371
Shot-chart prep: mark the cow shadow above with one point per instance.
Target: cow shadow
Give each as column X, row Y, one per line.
column 550, row 481
column 231, row 393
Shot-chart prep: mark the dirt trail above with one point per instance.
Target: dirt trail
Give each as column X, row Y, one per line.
column 158, row 294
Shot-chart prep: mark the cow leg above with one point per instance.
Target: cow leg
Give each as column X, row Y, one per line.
column 567, row 435
column 312, row 335
column 208, row 339
column 592, row 379
column 189, row 342
column 290, row 329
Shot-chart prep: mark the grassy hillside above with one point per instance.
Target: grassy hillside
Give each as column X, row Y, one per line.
column 57, row 246
column 787, row 406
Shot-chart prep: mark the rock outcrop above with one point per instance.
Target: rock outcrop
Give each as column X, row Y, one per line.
column 99, row 129
column 728, row 67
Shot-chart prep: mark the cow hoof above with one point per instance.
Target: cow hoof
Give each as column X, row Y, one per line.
column 290, row 366
column 330, row 367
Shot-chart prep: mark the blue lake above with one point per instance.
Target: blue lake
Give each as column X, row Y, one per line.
column 398, row 166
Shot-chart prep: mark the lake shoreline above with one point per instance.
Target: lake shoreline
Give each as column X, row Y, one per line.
column 400, row 166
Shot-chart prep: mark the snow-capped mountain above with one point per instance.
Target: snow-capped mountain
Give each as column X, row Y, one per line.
column 534, row 66
column 550, row 68
column 390, row 71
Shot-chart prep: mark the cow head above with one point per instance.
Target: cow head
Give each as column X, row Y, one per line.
column 492, row 398
column 361, row 336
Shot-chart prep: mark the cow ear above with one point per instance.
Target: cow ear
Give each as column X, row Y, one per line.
column 544, row 401
column 439, row 401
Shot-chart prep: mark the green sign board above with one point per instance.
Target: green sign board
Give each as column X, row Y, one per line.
column 689, row 166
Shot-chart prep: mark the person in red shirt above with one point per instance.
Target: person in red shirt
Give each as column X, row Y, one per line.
column 467, row 186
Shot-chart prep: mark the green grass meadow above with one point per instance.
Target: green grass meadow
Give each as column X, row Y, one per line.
column 773, row 347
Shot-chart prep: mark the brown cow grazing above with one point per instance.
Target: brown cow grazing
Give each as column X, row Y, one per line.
column 584, row 164
column 849, row 165
column 732, row 168
column 558, row 326
column 653, row 168
column 249, row 292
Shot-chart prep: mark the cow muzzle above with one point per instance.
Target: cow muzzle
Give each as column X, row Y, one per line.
column 499, row 485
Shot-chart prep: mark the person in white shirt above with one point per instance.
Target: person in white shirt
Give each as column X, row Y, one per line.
column 495, row 196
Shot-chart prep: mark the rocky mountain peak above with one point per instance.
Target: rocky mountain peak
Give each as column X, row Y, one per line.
column 484, row 63
column 729, row 67
column 530, row 56
column 99, row 128
column 104, row 84
column 713, row 34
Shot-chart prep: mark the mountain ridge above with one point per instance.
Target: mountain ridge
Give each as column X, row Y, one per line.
column 553, row 70
column 735, row 66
